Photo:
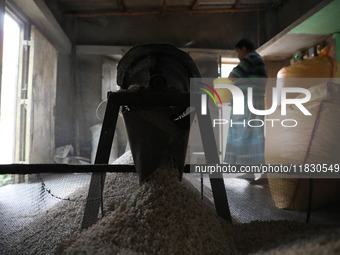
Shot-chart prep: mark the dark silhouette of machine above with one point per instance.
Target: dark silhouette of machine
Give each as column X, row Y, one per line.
column 154, row 100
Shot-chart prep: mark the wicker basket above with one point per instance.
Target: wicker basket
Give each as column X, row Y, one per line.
column 292, row 193
column 313, row 140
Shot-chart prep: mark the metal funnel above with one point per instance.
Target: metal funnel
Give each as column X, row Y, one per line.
column 155, row 134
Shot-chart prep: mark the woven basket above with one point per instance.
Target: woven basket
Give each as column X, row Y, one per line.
column 291, row 193
column 313, row 140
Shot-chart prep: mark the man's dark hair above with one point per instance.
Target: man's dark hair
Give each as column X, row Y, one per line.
column 245, row 43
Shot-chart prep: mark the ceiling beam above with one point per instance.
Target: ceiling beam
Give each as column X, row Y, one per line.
column 41, row 16
column 284, row 45
column 157, row 12
column 121, row 50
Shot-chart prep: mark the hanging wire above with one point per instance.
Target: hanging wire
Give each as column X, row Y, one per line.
column 44, row 186
column 50, row 192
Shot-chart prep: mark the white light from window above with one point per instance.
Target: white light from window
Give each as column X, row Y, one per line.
column 9, row 80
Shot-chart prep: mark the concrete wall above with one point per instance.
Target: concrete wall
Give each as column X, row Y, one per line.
column 42, row 97
column 207, row 64
column 273, row 67
column 89, row 75
column 88, row 97
column 65, row 103
column 66, row 108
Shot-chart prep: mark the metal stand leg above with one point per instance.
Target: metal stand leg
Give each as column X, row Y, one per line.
column 211, row 154
column 95, row 195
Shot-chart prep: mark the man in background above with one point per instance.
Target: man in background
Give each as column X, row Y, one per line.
column 245, row 144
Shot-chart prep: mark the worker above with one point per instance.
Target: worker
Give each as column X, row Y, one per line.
column 245, row 144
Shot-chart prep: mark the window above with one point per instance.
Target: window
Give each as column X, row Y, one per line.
column 9, row 89
column 227, row 66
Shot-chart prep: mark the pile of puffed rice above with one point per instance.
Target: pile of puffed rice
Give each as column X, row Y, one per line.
column 162, row 217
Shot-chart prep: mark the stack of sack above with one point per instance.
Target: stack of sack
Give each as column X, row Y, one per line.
column 315, row 139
